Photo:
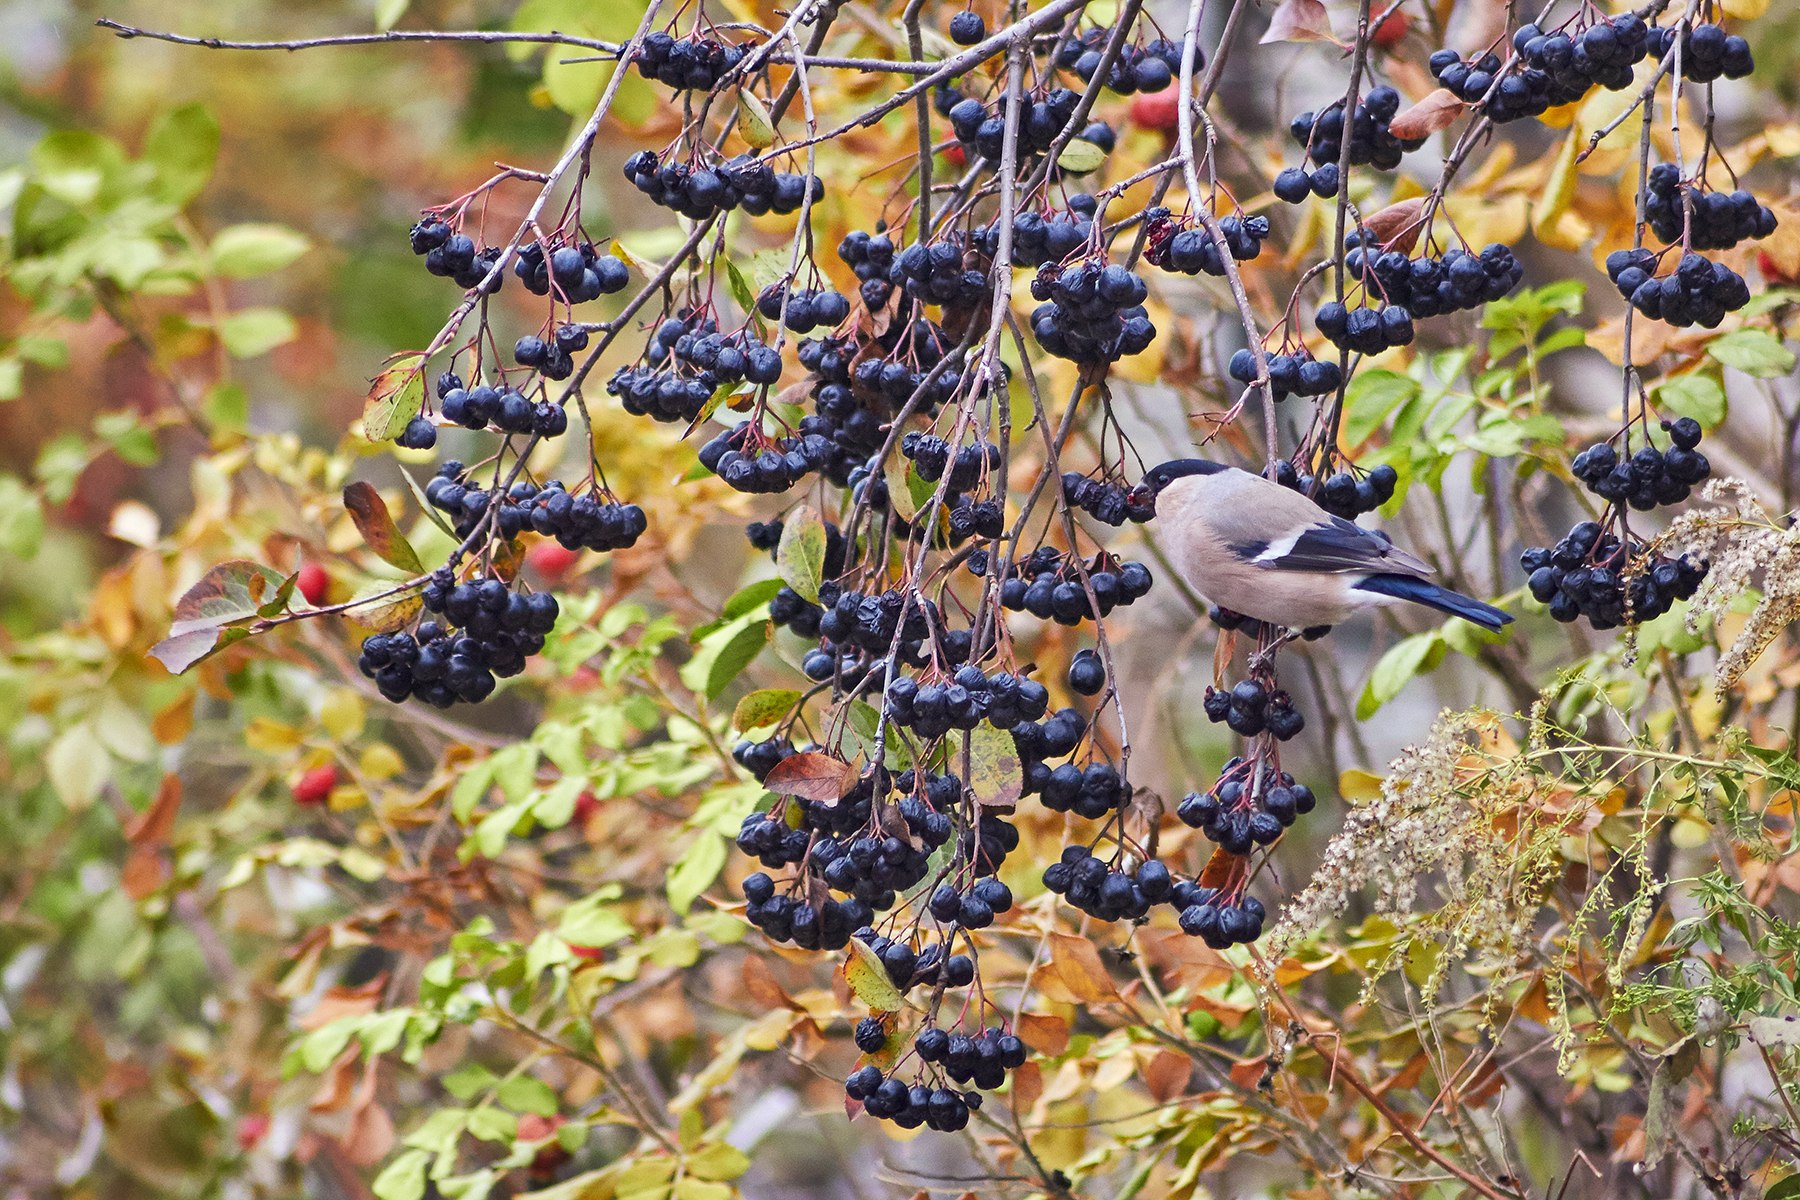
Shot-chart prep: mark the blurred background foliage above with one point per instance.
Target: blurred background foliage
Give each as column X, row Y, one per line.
column 262, row 934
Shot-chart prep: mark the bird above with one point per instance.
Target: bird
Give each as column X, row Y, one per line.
column 1267, row 552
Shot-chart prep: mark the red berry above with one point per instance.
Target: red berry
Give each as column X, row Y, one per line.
column 586, row 806
column 1160, row 111
column 1389, row 28
column 312, row 583
column 591, row 953
column 551, row 559
column 1771, row 270
column 314, row 786
column 250, row 1129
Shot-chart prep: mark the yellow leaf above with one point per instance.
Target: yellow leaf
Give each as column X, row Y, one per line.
column 1559, row 190
column 1357, row 786
column 271, row 737
column 1744, row 10
column 868, row 978
column 381, row 762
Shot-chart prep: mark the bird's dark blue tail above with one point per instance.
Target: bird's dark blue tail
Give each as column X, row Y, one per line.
column 1423, row 591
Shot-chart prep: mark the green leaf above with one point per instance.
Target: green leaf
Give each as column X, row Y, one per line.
column 230, row 593
column 996, row 776
column 72, row 165
column 1754, row 352
column 868, row 978
column 389, row 12
column 523, row 1093
column 761, row 709
column 800, row 557
column 695, row 871
column 1372, row 395
column 1695, row 394
column 128, row 437
column 753, row 122
column 395, row 398
column 252, row 332
column 12, row 377
column 1396, row 669
column 723, row 654
column 594, row 920
column 21, row 519
column 183, row 146
column 227, row 405
column 246, row 251
column 404, row 1178
column 1081, row 156
column 750, row 597
column 740, row 287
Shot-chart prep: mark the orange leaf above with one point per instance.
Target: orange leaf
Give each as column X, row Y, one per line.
column 1439, row 110
column 1167, row 1075
column 812, row 776
column 376, row 524
column 147, row 865
column 1027, row 1086
column 1075, row 963
column 1396, row 227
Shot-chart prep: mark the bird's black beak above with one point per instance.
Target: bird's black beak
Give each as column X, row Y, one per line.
column 1141, row 500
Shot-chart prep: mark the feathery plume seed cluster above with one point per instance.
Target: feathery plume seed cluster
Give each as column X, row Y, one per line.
column 1748, row 548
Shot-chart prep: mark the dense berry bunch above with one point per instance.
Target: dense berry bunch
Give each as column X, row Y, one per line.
column 1249, row 805
column 749, row 461
column 963, row 701
column 932, row 459
column 1147, row 68
column 1344, row 495
column 1093, row 791
column 1698, row 291
column 1191, row 250
column 803, row 310
column 454, row 256
column 487, row 631
column 1368, row 330
column 1048, row 586
column 1039, row 238
column 1217, row 918
column 1651, row 476
column 1321, row 134
column 1707, row 52
column 700, row 192
column 578, row 522
column 1709, row 220
column 1558, row 67
column 505, row 408
column 1296, row 374
column 937, row 274
column 1104, row 891
column 1108, row 503
column 1249, row 708
column 578, row 273
column 692, row 63
column 1092, row 312
column 983, row 131
column 972, row 908
column 1431, row 286
column 1592, row 573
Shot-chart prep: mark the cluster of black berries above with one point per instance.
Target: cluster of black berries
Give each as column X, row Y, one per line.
column 1057, row 736
column 728, row 358
column 579, row 273
column 983, row 1060
column 1651, row 476
column 932, row 458
column 1710, row 220
column 1344, row 495
column 1093, row 791
column 856, row 625
column 1707, row 52
column 700, row 192
column 1248, row 708
column 1321, row 136
column 963, row 701
column 453, row 255
column 1174, row 246
column 749, row 461
column 936, row 274
column 1091, row 312
column 1108, row 503
column 1048, row 586
column 584, row 522
column 1296, row 374
column 505, row 408
column 973, row 908
column 1147, row 68
column 1239, row 816
column 488, row 631
column 1586, row 575
column 1216, row 918
column 693, row 63
column 1043, row 237
column 807, row 309
column 552, row 357
column 1041, row 122
column 1431, row 286
column 1552, row 68
column 1368, row 330
column 823, row 926
column 1698, row 291
column 1088, row 883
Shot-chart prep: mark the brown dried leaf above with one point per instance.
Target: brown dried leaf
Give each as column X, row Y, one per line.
column 376, row 524
column 1397, row 227
column 1075, row 964
column 1437, row 111
column 147, row 865
column 1167, row 1075
column 812, row 776
column 1299, row 21
column 1043, row 1032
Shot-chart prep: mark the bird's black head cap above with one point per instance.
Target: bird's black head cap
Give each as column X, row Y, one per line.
column 1161, row 477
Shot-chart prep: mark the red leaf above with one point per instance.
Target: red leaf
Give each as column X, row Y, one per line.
column 1439, row 110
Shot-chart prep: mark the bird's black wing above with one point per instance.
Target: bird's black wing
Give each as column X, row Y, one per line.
column 1337, row 546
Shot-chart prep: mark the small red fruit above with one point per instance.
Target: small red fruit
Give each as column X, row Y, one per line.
column 250, row 1129
column 551, row 559
column 955, row 156
column 586, row 806
column 1771, row 270
column 312, row 583
column 1390, row 27
column 315, row 786
column 1160, row 111
column 591, row 953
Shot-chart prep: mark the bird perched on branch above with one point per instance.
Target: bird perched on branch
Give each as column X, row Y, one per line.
column 1265, row 551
